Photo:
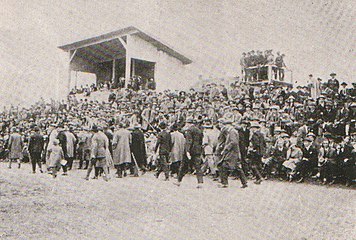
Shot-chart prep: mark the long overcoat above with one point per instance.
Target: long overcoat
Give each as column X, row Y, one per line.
column 231, row 150
column 138, row 147
column 121, row 146
column 15, row 146
column 178, row 143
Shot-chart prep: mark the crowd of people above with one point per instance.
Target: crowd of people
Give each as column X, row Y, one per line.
column 216, row 131
column 253, row 65
column 136, row 83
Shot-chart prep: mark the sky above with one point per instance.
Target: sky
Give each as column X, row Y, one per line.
column 317, row 37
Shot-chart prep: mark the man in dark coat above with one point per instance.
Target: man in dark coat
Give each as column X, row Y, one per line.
column 35, row 148
column 309, row 162
column 138, row 147
column 333, row 83
column 257, row 149
column 244, row 136
column 63, row 143
column 164, row 143
column 194, row 149
column 229, row 154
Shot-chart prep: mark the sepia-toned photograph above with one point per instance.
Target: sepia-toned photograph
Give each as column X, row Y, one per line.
column 178, row 119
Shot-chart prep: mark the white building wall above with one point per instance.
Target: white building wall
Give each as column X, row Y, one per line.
column 169, row 71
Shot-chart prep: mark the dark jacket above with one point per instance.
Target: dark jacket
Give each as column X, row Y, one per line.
column 164, row 142
column 138, row 147
column 311, row 154
column 258, row 143
column 194, row 140
column 36, row 143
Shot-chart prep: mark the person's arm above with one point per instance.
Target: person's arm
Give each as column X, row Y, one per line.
column 188, row 141
column 94, row 145
column 158, row 142
column 30, row 144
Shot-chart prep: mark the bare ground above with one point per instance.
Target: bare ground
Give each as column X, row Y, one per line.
column 35, row 206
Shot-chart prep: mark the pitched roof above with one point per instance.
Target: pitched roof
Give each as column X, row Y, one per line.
column 122, row 32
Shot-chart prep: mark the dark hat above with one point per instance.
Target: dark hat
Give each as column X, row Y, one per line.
column 327, row 135
column 332, row 74
column 162, row 125
column 343, row 84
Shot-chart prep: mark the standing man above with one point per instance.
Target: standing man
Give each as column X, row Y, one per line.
column 35, row 148
column 85, row 139
column 71, row 142
column 99, row 146
column 194, row 149
column 121, row 149
column 15, row 147
column 138, row 149
column 333, row 83
column 257, row 149
column 210, row 142
column 164, row 143
column 229, row 153
column 177, row 153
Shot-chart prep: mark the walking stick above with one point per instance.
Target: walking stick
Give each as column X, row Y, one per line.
column 133, row 157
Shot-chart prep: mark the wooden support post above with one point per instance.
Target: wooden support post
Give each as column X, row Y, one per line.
column 113, row 71
column 76, row 79
column 71, row 56
column 128, row 62
column 69, row 73
column 270, row 73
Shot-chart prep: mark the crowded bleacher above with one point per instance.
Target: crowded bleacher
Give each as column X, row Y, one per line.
column 274, row 132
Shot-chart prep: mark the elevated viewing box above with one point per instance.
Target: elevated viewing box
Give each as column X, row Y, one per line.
column 125, row 53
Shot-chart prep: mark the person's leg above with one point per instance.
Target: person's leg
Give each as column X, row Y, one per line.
column 159, row 166
column 39, row 163
column 106, row 172
column 165, row 166
column 255, row 168
column 223, row 170
column 33, row 163
column 70, row 163
column 81, row 158
column 182, row 169
column 90, row 168
column 211, row 164
column 242, row 176
column 19, row 162
column 54, row 171
column 197, row 167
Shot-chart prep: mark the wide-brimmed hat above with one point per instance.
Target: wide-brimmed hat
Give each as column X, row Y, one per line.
column 254, row 125
column 189, row 120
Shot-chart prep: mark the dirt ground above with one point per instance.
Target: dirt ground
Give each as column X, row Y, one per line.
column 35, row 206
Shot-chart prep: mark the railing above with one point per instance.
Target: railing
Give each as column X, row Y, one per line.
column 268, row 73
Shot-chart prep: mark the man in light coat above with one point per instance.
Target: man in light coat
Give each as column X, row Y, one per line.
column 15, row 146
column 177, row 151
column 99, row 151
column 121, row 149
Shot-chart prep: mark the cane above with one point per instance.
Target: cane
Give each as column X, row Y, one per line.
column 133, row 157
